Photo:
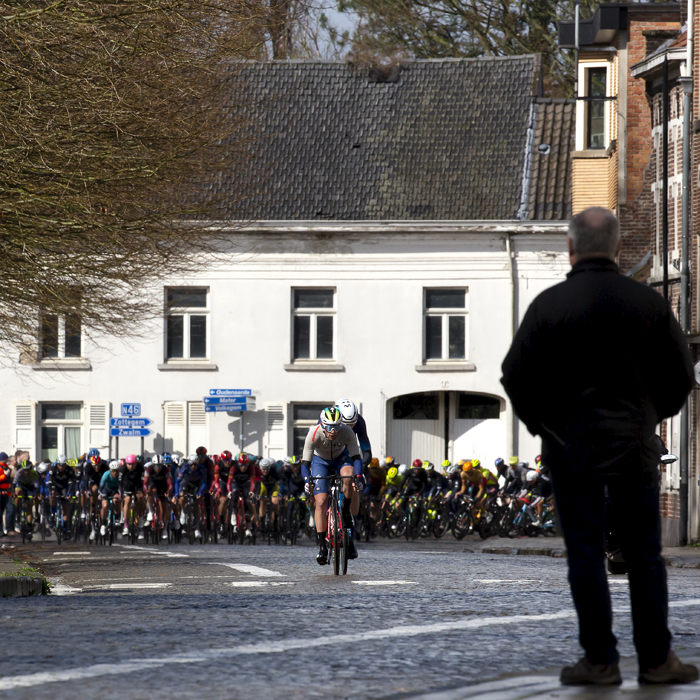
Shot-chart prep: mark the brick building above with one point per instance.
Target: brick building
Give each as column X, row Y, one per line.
column 624, row 50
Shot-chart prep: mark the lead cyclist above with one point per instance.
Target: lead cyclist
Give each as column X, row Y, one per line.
column 326, row 451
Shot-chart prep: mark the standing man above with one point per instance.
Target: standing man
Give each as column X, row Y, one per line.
column 598, row 361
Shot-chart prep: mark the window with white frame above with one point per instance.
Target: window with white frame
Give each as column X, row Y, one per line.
column 593, row 111
column 186, row 311
column 313, row 325
column 61, row 427
column 60, row 336
column 303, row 417
column 445, row 326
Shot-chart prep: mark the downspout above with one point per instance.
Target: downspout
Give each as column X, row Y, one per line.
column 687, row 83
column 513, row 328
column 577, row 21
column 664, row 180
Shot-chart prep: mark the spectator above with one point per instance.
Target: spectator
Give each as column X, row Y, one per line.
column 598, row 361
column 5, row 488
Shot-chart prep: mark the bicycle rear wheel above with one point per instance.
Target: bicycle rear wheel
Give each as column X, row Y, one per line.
column 335, row 537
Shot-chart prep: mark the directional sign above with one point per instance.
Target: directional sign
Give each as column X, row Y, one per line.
column 129, row 422
column 213, row 406
column 131, row 409
column 229, row 400
column 230, row 392
column 129, row 432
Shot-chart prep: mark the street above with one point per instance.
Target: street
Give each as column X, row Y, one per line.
column 265, row 622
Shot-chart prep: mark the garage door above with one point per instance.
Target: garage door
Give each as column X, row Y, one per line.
column 416, row 427
column 478, row 430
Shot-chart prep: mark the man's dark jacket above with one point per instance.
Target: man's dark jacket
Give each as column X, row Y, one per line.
column 597, row 362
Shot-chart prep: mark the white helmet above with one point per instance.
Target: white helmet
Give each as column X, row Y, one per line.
column 156, row 459
column 267, row 463
column 42, row 468
column 402, row 469
column 114, row 465
column 192, row 458
column 348, row 411
column 531, row 476
column 62, row 459
column 452, row 469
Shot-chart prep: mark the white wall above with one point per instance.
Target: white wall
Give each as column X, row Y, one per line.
column 379, row 276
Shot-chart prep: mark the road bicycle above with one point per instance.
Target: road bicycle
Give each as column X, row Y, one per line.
column 241, row 518
column 413, row 516
column 24, row 505
column 110, row 525
column 295, row 518
column 337, row 537
column 132, row 519
column 270, row 523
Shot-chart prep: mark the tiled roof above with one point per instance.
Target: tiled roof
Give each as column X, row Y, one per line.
column 440, row 139
column 547, row 183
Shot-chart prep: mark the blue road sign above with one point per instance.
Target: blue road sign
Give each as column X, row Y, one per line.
column 230, row 392
column 220, row 407
column 228, row 400
column 129, row 432
column 131, row 409
column 129, row 422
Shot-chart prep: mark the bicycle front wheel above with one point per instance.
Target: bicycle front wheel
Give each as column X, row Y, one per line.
column 335, row 537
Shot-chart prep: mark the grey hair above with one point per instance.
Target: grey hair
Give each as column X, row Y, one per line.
column 595, row 231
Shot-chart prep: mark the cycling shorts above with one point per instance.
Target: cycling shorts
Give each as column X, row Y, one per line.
column 326, row 467
column 372, row 490
column 110, row 492
column 391, row 491
column 245, row 488
column 28, row 490
column 275, row 490
column 61, row 491
column 188, row 487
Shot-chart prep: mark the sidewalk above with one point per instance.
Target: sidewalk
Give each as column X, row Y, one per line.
column 15, row 580
column 677, row 557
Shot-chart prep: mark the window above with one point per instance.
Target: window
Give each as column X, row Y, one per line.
column 186, row 323
column 596, row 86
column 304, row 415
column 477, row 407
column 312, row 324
column 61, row 426
column 60, row 336
column 445, row 324
column 423, row 406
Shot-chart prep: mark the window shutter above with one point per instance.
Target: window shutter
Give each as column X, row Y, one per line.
column 197, row 426
column 24, row 432
column 98, row 413
column 276, row 431
column 175, row 428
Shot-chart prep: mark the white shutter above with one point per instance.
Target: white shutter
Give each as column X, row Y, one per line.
column 174, row 427
column 97, row 433
column 197, row 426
column 276, row 431
column 24, row 431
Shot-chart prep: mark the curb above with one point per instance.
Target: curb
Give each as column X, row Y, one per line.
column 20, row 586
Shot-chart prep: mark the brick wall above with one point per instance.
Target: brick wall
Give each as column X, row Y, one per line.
column 670, row 505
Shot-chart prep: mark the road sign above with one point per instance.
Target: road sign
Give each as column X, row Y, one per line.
column 220, row 407
column 211, row 405
column 131, row 409
column 129, row 422
column 129, row 432
column 230, row 400
column 230, row 392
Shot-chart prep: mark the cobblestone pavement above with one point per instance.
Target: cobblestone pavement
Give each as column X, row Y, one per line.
column 409, row 620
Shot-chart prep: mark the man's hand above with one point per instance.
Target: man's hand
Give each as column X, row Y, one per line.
column 360, row 482
column 309, row 488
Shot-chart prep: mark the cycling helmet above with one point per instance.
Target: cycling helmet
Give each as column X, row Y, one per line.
column 131, row 459
column 467, row 466
column 294, row 460
column 75, row 463
column 62, row 459
column 446, row 464
column 403, row 468
column 158, row 465
column 389, row 462
column 523, row 465
column 192, row 458
column 417, row 463
column 243, row 459
column 391, row 474
column 94, row 460
column 94, row 452
column 538, row 459
column 42, row 468
column 201, row 452
column 26, row 464
column 531, row 476
column 266, row 464
column 348, row 411
column 167, row 458
column 374, row 462
column 428, row 466
column 331, row 418
column 226, row 456
column 499, row 463
column 476, row 463
column 513, row 460
column 114, row 465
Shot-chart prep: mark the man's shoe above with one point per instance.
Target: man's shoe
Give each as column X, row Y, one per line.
column 92, row 536
column 164, row 535
column 197, row 535
column 125, row 531
column 149, row 517
column 586, row 673
column 103, row 530
column 352, row 550
column 322, row 556
column 673, row 670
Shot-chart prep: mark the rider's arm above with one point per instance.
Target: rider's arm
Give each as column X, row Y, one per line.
column 308, row 453
column 146, row 476
column 169, row 482
column 360, row 429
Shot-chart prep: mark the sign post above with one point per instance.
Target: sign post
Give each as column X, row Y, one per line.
column 231, row 400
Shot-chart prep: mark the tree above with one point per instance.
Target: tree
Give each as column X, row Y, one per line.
column 466, row 29
column 112, row 114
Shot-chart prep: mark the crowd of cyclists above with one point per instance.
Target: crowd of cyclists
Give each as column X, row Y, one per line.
column 243, row 498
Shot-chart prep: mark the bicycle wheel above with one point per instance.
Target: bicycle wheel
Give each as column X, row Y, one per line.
column 189, row 518
column 442, row 521
column 59, row 522
column 335, row 536
column 345, row 544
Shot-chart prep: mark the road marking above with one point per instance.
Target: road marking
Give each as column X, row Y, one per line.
column 60, row 588
column 129, row 586
column 248, row 569
column 257, row 584
column 131, row 665
column 507, row 580
column 385, row 583
column 150, row 551
column 64, row 554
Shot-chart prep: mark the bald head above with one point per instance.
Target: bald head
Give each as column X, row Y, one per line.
column 594, row 233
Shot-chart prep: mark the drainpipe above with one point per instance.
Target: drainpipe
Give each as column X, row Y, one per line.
column 513, row 328
column 687, row 83
column 664, row 180
column 577, row 21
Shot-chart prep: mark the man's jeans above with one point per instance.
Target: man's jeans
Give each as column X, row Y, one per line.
column 10, row 515
column 633, row 488
column 3, row 505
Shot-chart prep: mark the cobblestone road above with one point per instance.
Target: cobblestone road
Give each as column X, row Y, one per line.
column 268, row 622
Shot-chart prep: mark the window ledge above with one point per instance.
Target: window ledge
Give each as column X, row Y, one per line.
column 446, row 367
column 188, row 366
column 63, row 364
column 315, row 366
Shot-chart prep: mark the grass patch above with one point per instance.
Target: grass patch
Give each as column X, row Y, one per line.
column 26, row 570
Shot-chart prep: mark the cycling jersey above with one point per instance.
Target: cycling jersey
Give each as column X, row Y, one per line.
column 192, row 477
column 490, row 479
column 330, row 452
column 130, row 481
column 92, row 475
column 455, row 481
column 159, row 480
column 294, row 484
column 415, row 482
column 396, row 482
column 376, row 476
column 26, row 478
column 109, row 485
column 249, row 478
column 63, row 481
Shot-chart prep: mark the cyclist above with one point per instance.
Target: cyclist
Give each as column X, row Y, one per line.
column 454, row 484
column 131, row 492
column 62, row 486
column 351, row 416
column 375, row 488
column 325, row 451
column 94, row 468
column 437, row 482
column 192, row 479
column 26, row 485
column 244, row 479
column 109, row 488
column 415, row 483
column 269, row 484
column 157, row 483
column 394, row 480
column 222, row 468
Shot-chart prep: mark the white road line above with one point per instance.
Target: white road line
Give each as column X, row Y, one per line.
column 385, row 583
column 129, row 586
column 150, row 551
column 115, row 668
column 60, row 588
column 258, row 584
column 247, row 569
column 507, row 580
column 69, row 553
